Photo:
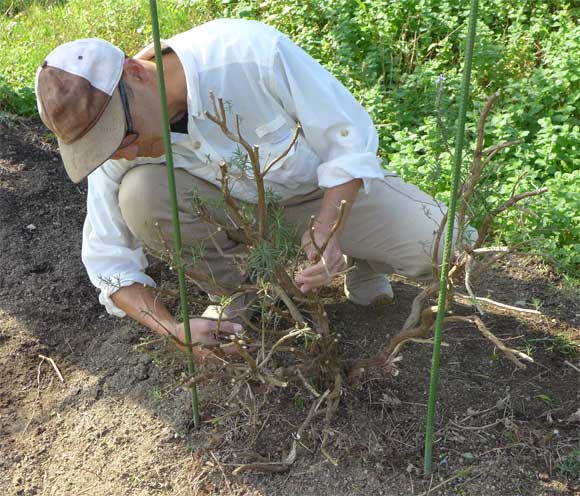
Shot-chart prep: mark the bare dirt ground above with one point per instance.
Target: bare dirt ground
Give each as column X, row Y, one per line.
column 119, row 423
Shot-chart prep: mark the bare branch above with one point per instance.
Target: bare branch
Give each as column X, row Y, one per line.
column 436, row 244
column 418, row 302
column 292, row 308
column 337, row 224
column 491, row 151
column 482, row 120
column 468, row 269
column 477, row 166
column 387, row 357
column 492, row 249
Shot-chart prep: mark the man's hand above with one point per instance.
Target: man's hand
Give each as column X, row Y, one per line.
column 142, row 304
column 207, row 332
column 323, row 269
column 333, row 260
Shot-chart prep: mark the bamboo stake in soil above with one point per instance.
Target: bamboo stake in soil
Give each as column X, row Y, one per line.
column 174, row 211
column 449, row 236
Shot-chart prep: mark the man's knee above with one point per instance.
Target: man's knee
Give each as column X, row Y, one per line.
column 418, row 264
column 143, row 200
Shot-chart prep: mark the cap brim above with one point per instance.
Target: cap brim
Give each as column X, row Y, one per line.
column 92, row 150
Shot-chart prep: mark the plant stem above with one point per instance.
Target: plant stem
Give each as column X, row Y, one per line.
column 174, row 211
column 449, row 236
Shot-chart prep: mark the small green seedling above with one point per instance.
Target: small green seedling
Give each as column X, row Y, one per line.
column 569, row 467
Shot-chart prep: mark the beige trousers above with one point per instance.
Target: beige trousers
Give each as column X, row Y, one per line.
column 392, row 227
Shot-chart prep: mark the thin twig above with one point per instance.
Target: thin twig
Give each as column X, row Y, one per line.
column 491, row 152
column 51, row 361
column 436, row 243
column 336, row 226
column 498, row 304
column 478, row 427
column 468, row 269
column 492, row 249
column 573, row 366
column 308, row 386
column 332, row 405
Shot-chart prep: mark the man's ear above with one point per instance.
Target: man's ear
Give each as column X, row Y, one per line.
column 134, row 70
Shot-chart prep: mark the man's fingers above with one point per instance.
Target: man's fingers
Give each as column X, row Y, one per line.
column 311, row 271
column 309, row 250
column 315, row 280
column 319, row 270
column 223, row 326
column 228, row 327
column 307, row 284
column 311, row 283
column 310, row 253
column 305, row 288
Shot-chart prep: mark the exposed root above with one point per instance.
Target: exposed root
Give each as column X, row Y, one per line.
column 332, row 405
column 494, row 303
column 513, row 355
column 387, row 358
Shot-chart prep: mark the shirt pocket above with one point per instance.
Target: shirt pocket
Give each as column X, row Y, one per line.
column 298, row 167
column 275, row 137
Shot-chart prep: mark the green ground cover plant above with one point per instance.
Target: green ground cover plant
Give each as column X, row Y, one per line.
column 402, row 60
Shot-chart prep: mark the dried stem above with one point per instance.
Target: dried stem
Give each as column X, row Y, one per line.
column 436, row 244
column 468, row 270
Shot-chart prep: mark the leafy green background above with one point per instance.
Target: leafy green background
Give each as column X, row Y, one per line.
column 402, row 60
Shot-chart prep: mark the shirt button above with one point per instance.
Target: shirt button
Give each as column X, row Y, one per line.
column 196, row 145
column 344, row 133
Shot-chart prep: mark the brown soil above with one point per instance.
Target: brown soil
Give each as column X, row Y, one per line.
column 119, row 424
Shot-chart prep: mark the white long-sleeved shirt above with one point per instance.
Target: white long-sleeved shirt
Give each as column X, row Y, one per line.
column 271, row 84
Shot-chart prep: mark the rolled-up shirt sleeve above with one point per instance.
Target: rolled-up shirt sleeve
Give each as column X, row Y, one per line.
column 112, row 256
column 337, row 127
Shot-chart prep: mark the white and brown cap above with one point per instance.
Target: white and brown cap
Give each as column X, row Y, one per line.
column 78, row 99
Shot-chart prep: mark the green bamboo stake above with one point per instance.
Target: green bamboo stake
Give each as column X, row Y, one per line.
column 449, row 236
column 174, row 211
